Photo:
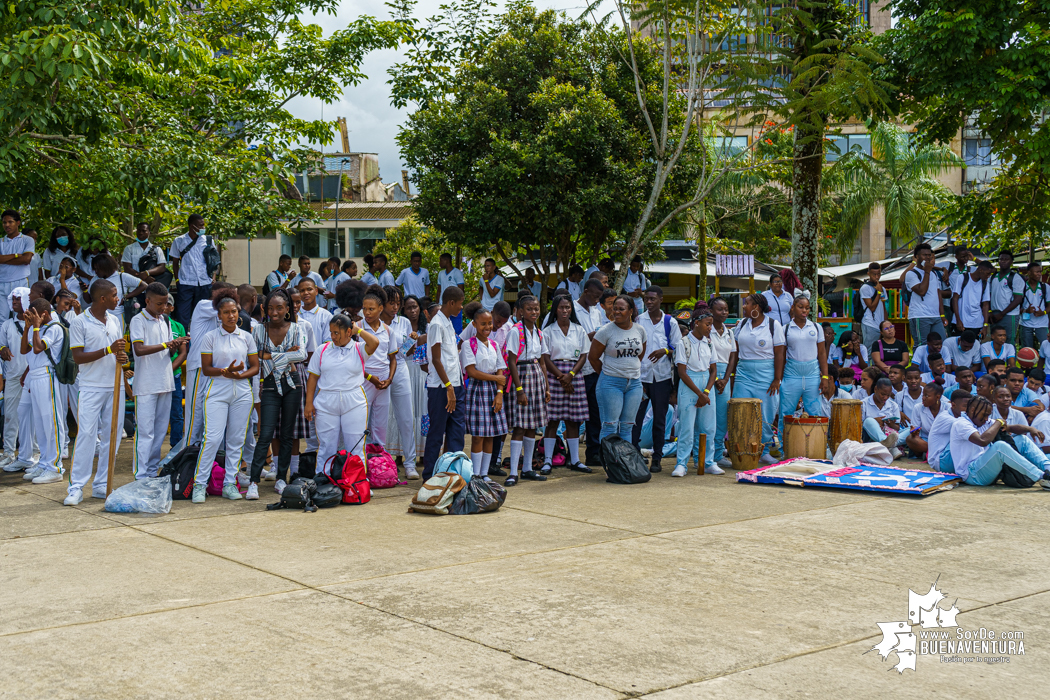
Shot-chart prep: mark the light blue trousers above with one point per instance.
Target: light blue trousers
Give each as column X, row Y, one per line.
column 721, row 416
column 694, row 420
column 753, row 378
column 801, row 381
column 986, row 468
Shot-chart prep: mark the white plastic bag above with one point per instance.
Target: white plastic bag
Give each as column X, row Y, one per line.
column 851, row 453
column 142, row 496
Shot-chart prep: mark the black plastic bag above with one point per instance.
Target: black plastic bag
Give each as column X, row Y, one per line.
column 478, row 496
column 623, row 462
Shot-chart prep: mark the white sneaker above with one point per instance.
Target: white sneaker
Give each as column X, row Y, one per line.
column 243, row 479
column 269, row 474
column 65, row 452
column 895, row 453
column 6, row 459
column 714, row 469
column 100, row 493
column 33, row 472
column 253, row 493
column 411, row 473
column 680, row 470
column 74, row 498
column 725, row 463
column 767, row 459
column 47, row 477
column 279, row 486
column 15, row 465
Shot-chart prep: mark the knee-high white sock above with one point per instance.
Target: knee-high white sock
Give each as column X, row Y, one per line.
column 530, row 447
column 515, row 455
column 574, row 449
column 486, row 458
column 548, row 449
column 294, row 465
column 475, row 459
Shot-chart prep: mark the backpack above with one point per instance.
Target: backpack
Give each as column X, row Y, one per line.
column 966, row 281
column 455, row 463
column 181, row 470
column 437, row 493
column 859, row 305
column 382, row 470
column 216, row 479
column 479, row 496
column 308, row 464
column 327, row 494
column 267, row 288
column 348, row 473
column 212, row 259
column 906, row 290
column 65, row 369
column 298, row 494
column 623, row 462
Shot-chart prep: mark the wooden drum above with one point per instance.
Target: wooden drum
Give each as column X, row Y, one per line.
column 744, row 433
column 847, row 419
column 806, row 436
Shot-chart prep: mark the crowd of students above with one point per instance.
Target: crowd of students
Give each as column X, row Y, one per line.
column 403, row 363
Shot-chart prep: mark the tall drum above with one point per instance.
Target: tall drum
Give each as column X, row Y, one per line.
column 806, row 436
column 744, row 433
column 847, row 420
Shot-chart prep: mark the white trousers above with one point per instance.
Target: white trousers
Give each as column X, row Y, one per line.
column 341, row 418
column 94, row 423
column 226, row 411
column 250, row 441
column 18, row 420
column 378, row 414
column 5, row 289
column 70, row 394
column 152, row 413
column 401, row 403
column 196, row 384
column 50, row 430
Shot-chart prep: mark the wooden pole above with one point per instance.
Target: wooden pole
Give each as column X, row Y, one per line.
column 701, row 455
column 117, row 379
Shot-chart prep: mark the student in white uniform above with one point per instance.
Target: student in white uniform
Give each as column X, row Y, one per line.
column 573, row 283
column 96, row 338
column 229, row 359
column 338, row 277
column 18, row 418
column 971, row 298
column 63, row 244
column 806, row 367
column 662, row 337
column 723, row 341
column 779, row 301
column 16, row 253
column 380, row 366
column 415, row 279
column 42, row 343
column 335, row 393
column 940, row 430
column 565, row 348
column 151, row 342
column 757, row 365
column 635, row 283
column 979, row 459
column 528, row 407
column 492, row 285
column 695, row 363
column 319, row 319
column 306, row 273
column 400, row 419
column 882, row 416
column 67, row 279
column 483, row 363
column 204, row 321
column 128, row 286
column 873, row 308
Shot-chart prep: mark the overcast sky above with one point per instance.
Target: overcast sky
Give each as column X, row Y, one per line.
column 370, row 118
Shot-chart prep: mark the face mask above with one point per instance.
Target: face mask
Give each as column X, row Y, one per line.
column 142, row 240
column 200, row 231
column 62, row 240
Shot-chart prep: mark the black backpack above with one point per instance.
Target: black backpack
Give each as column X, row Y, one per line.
column 966, row 281
column 181, row 471
column 623, row 462
column 327, row 494
column 298, row 494
column 65, row 369
column 906, row 291
column 859, row 307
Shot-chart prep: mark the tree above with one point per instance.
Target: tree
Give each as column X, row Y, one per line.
column 122, row 111
column 984, row 65
column 899, row 176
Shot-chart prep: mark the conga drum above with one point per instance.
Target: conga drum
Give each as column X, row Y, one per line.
column 847, row 420
column 744, row 433
column 806, row 436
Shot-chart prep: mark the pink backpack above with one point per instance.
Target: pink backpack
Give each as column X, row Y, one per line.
column 215, row 481
column 382, row 470
column 474, row 349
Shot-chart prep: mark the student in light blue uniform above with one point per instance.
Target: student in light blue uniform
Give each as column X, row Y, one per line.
column 806, row 367
column 695, row 364
column 757, row 366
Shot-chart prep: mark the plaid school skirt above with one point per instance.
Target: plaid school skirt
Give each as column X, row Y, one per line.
column 533, row 415
column 565, row 406
column 303, row 429
column 482, row 421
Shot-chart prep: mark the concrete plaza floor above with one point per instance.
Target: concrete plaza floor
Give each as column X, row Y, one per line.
column 680, row 588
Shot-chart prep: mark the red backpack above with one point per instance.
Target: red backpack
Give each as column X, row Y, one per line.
column 348, row 473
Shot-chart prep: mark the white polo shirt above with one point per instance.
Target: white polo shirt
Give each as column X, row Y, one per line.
column 1002, row 291
column 320, row 320
column 50, row 261
column 11, row 339
column 802, row 342
column 378, row 363
column 15, row 246
column 453, row 278
column 657, row 339
column 131, row 255
column 153, row 373
column 333, row 282
column 871, row 318
column 960, row 357
column 633, row 281
column 309, row 275
column 204, row 320
column 190, row 254
column 964, row 452
column 696, row 354
column 889, row 411
column 1037, row 298
column 89, row 333
column 937, row 435
column 575, row 288
column 757, row 343
column 566, row 346
column 970, row 300
column 53, row 338
column 928, row 305
column 488, row 358
column 923, row 351
column 414, row 283
column 1006, row 353
column 226, row 348
column 276, row 278
column 440, row 330
column 339, row 368
column 724, row 343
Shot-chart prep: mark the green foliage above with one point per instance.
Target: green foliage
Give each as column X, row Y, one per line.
column 410, row 236
column 122, row 111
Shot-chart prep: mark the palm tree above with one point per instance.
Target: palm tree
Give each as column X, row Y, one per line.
column 899, row 177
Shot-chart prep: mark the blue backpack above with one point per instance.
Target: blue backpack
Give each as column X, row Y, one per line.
column 455, row 463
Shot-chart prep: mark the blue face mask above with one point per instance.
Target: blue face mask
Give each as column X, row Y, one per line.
column 142, row 240
column 62, row 240
column 200, row 231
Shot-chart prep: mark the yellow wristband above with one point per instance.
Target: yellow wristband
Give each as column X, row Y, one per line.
column 823, row 376
column 499, row 391
column 571, row 373
column 519, row 389
column 707, row 391
column 448, row 384
column 368, row 377
column 108, row 352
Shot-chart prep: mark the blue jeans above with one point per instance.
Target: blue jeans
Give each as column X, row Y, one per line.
column 1032, row 337
column 986, row 468
column 693, row 420
column 618, row 401
column 721, row 416
column 176, row 419
column 801, row 381
column 753, row 378
column 442, row 422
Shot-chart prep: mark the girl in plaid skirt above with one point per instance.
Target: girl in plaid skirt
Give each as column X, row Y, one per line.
column 528, row 409
column 483, row 363
column 565, row 348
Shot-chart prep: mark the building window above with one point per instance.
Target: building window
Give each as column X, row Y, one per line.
column 730, row 146
column 364, row 239
column 317, row 243
column 846, row 143
column 978, row 152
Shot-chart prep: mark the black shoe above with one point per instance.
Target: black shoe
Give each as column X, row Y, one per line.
column 533, row 476
column 511, row 480
column 593, row 462
column 546, row 469
column 496, row 471
column 579, row 467
column 655, row 468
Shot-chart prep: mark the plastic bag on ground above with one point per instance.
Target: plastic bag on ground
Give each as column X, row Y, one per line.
column 851, row 453
column 142, row 496
column 478, row 496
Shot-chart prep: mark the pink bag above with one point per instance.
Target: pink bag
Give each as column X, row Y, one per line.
column 218, row 476
column 382, row 470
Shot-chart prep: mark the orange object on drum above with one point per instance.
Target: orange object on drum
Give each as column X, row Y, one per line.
column 806, row 436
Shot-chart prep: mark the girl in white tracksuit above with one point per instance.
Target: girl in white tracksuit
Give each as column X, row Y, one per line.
column 335, row 395
column 381, row 365
column 229, row 359
column 402, row 339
